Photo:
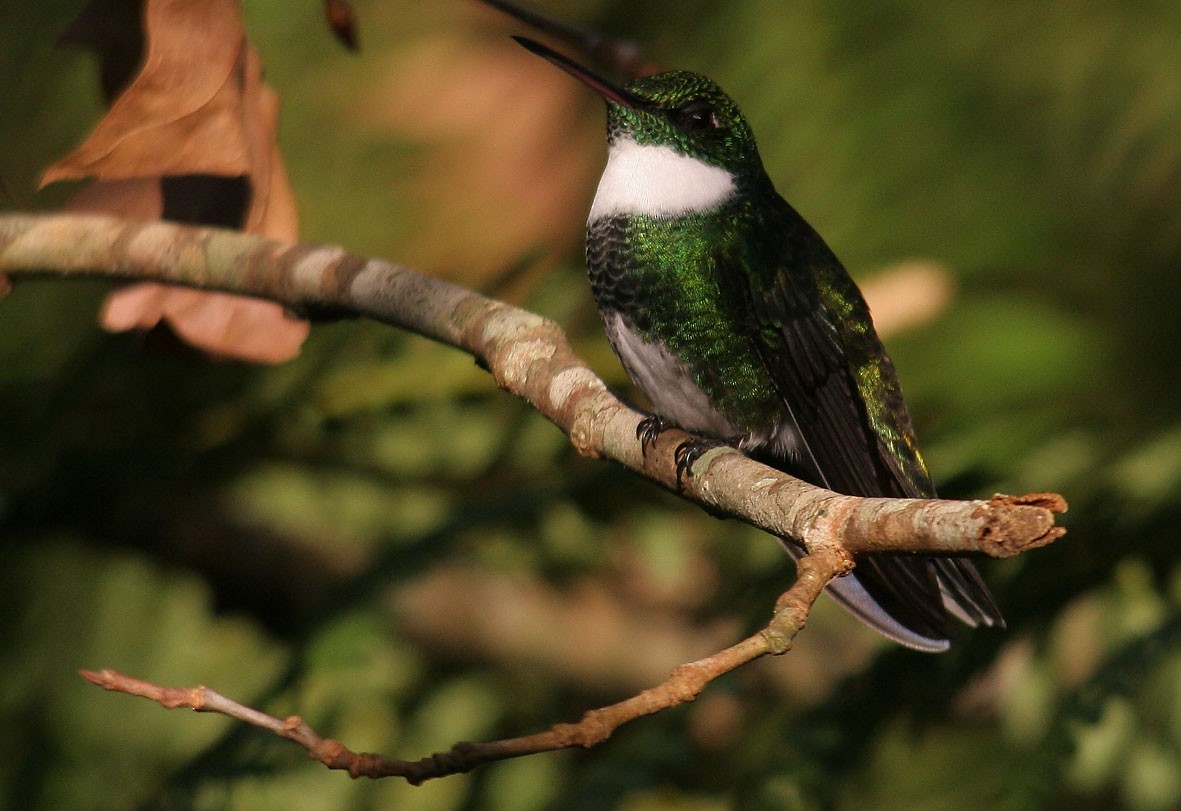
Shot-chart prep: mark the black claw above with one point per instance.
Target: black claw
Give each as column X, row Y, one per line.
column 649, row 430
column 689, row 451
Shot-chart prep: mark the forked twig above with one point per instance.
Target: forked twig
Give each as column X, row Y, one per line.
column 684, row 684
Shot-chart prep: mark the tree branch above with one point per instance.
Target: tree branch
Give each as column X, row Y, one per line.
column 530, row 357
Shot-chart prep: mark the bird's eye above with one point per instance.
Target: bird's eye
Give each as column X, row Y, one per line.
column 697, row 116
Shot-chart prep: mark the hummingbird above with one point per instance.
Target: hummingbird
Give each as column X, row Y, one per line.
column 739, row 324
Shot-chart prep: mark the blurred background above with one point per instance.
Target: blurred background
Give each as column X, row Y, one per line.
column 375, row 537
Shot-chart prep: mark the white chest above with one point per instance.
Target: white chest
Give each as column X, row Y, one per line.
column 657, row 181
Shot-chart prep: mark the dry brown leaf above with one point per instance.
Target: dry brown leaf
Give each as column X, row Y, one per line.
column 134, row 198
column 182, row 112
column 198, row 108
column 272, row 208
column 220, row 324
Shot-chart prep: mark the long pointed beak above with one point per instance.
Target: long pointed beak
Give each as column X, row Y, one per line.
column 608, row 90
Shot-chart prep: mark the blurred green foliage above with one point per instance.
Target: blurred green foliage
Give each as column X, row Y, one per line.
column 294, row 536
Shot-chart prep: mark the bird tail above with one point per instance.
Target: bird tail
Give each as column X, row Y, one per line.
column 909, row 599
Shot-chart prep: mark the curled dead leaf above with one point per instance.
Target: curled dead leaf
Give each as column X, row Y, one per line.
column 181, row 114
column 134, row 198
column 222, row 325
column 192, row 138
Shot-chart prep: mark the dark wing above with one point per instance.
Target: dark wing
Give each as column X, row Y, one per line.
column 813, row 331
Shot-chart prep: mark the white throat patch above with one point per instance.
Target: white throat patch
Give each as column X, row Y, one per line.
column 657, row 181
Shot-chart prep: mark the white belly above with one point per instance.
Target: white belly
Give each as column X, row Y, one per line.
column 667, row 383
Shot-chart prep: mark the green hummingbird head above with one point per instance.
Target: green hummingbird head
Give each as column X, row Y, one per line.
column 689, row 113
column 684, row 111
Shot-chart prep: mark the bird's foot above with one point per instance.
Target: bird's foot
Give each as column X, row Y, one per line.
column 649, row 430
column 689, row 451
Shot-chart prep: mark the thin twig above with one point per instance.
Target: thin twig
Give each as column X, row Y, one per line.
column 683, row 685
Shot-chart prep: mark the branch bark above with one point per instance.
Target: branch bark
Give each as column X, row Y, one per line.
column 530, row 357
